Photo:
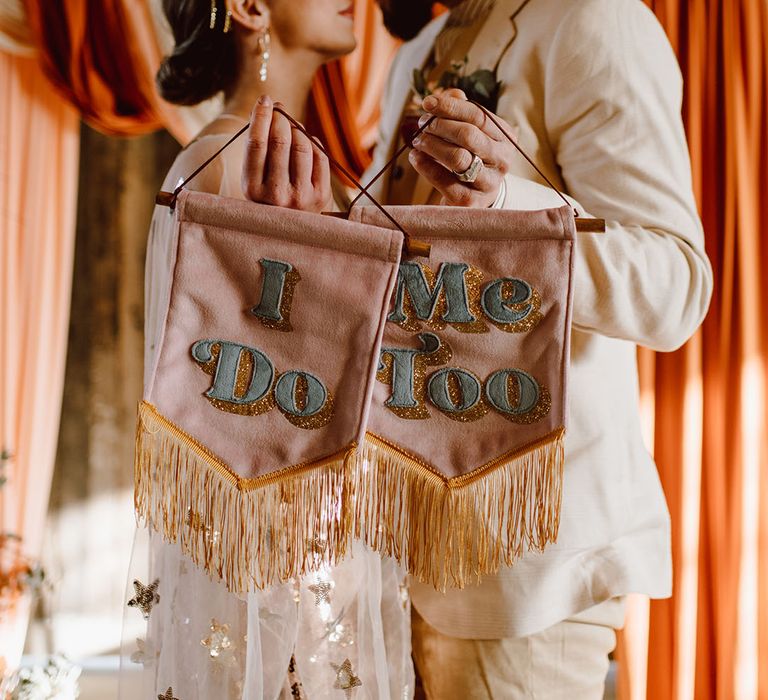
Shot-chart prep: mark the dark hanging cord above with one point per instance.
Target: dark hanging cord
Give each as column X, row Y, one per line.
column 172, row 200
column 414, row 247
column 489, row 114
column 344, row 171
column 205, row 165
column 390, row 162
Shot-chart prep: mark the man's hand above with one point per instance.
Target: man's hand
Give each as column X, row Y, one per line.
column 282, row 166
column 449, row 144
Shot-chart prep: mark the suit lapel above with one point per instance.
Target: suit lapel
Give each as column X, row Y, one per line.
column 497, row 32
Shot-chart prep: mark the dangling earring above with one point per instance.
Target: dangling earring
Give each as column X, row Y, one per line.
column 212, row 23
column 263, row 48
column 227, row 18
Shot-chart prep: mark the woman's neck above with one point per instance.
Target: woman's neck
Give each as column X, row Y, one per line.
column 289, row 79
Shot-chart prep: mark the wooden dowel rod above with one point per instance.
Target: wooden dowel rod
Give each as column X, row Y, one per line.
column 590, row 225
column 164, row 199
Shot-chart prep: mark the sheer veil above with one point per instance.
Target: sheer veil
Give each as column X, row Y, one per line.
column 339, row 632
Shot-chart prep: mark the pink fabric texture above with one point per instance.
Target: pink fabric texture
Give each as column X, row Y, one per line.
column 534, row 246
column 347, row 273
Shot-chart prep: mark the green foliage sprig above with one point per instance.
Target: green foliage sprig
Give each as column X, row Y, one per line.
column 482, row 85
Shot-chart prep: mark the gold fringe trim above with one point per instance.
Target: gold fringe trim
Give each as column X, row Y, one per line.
column 252, row 533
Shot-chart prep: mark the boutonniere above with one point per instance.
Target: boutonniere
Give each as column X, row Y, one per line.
column 482, row 86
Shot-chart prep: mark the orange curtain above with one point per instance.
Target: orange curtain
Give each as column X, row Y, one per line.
column 108, row 75
column 102, row 57
column 39, row 142
column 90, row 53
column 708, row 400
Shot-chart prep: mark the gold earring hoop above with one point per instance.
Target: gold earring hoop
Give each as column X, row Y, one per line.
column 212, row 23
column 263, row 48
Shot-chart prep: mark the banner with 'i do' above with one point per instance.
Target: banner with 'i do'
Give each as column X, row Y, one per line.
column 277, row 417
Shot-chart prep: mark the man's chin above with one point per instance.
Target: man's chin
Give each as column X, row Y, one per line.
column 406, row 18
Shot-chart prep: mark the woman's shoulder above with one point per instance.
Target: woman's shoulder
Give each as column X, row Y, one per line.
column 205, row 145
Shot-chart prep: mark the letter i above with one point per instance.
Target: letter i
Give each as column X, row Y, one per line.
column 274, row 308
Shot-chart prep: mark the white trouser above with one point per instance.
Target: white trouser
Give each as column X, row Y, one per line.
column 567, row 661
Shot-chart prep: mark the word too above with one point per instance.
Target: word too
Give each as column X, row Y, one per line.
column 454, row 391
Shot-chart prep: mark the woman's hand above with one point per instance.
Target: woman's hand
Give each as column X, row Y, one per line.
column 282, row 166
column 448, row 146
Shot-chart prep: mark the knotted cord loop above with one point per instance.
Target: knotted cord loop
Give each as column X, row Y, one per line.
column 490, row 115
column 412, row 247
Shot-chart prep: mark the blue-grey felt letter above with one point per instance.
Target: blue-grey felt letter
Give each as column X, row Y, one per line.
column 285, row 393
column 440, row 396
column 450, row 278
column 272, row 288
column 403, row 370
column 497, row 391
column 225, row 378
column 497, row 307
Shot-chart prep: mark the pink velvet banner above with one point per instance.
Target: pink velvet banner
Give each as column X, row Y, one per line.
column 495, row 381
column 276, row 417
column 231, row 282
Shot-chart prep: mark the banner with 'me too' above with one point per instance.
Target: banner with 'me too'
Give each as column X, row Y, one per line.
column 277, row 417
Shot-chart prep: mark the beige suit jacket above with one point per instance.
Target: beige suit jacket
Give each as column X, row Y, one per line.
column 594, row 91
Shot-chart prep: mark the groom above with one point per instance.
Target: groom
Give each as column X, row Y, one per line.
column 592, row 93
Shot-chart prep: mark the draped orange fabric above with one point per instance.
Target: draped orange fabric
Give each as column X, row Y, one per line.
column 103, row 57
column 91, row 54
column 710, row 640
column 39, row 142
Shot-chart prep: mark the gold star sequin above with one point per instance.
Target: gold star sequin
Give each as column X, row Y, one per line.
column 338, row 633
column 145, row 653
column 146, row 597
column 218, row 642
column 346, row 679
column 297, row 691
column 322, row 591
column 168, row 695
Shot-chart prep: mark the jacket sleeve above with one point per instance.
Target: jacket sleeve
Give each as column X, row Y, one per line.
column 612, row 101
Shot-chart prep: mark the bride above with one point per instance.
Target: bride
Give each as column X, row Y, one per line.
column 339, row 632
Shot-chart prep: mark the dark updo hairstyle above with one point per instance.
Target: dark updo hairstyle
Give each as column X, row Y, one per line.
column 204, row 60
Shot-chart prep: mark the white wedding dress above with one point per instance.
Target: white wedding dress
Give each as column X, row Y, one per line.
column 342, row 632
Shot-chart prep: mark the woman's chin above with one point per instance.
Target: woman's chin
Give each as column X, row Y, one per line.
column 341, row 48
